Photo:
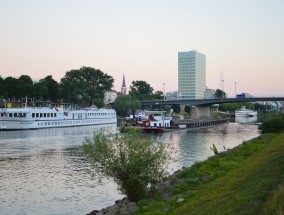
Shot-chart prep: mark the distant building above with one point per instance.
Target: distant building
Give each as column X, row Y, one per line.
column 172, row 95
column 191, row 75
column 210, row 93
column 110, row 97
column 123, row 87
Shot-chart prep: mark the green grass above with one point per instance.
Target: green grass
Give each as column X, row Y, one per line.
column 246, row 180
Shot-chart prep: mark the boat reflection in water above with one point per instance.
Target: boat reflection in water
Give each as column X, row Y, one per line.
column 246, row 120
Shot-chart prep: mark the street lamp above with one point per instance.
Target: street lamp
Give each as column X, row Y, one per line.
column 223, row 89
column 164, row 91
column 236, row 89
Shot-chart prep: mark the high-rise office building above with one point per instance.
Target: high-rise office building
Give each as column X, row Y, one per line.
column 191, row 75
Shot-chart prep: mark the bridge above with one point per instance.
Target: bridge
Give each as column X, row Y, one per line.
column 202, row 105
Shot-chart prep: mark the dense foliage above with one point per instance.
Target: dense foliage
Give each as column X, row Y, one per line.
column 141, row 90
column 85, row 85
column 132, row 160
column 274, row 124
column 235, row 106
column 220, row 94
column 124, row 103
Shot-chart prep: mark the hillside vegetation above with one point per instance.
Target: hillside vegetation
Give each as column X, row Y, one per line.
column 246, row 180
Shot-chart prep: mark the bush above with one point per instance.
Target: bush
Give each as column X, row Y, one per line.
column 273, row 125
column 132, row 160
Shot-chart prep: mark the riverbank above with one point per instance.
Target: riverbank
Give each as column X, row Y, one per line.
column 248, row 179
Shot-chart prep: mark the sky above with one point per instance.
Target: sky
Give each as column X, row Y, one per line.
column 243, row 40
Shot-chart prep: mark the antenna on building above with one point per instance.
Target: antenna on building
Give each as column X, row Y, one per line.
column 221, row 79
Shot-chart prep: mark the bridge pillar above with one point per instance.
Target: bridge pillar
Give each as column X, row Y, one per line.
column 200, row 112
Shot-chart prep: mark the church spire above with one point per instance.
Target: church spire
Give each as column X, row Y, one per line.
column 123, row 87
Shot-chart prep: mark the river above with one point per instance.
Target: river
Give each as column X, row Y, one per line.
column 44, row 171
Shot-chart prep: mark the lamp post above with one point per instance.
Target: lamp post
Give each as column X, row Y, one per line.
column 223, row 89
column 164, row 91
column 236, row 89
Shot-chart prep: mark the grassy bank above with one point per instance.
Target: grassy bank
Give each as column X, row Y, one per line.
column 246, row 180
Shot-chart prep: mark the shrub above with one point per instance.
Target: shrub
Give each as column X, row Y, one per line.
column 132, row 160
column 273, row 125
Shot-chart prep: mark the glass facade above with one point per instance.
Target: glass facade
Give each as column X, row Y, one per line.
column 191, row 75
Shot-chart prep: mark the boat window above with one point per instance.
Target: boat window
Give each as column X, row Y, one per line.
column 48, row 114
column 54, row 114
column 37, row 114
column 24, row 114
column 33, row 115
column 15, row 115
column 51, row 115
column 44, row 115
column 40, row 114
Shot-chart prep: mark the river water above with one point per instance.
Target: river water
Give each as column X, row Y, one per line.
column 44, row 171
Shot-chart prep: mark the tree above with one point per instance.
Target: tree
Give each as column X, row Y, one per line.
column 234, row 106
column 176, row 108
column 220, row 94
column 3, row 89
column 15, row 88
column 187, row 109
column 141, row 90
column 158, row 95
column 53, row 89
column 40, row 90
column 132, row 160
column 123, row 103
column 28, row 85
column 85, row 85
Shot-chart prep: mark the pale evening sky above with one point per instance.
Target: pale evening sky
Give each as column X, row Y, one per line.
column 141, row 39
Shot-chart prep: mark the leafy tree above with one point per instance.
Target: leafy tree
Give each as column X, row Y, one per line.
column 220, row 94
column 41, row 90
column 132, row 160
column 53, row 89
column 3, row 89
column 15, row 88
column 235, row 106
column 176, row 108
column 141, row 90
column 259, row 107
column 28, row 85
column 187, row 109
column 123, row 103
column 158, row 95
column 85, row 85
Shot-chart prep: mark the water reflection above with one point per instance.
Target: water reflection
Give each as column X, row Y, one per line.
column 246, row 120
column 44, row 172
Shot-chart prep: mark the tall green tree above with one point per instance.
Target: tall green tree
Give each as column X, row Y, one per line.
column 141, row 90
column 220, row 94
column 28, row 85
column 85, row 85
column 15, row 88
column 53, row 88
column 3, row 89
column 40, row 90
column 176, row 108
column 158, row 95
column 123, row 103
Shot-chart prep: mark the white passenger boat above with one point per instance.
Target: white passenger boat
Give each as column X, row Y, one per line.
column 245, row 112
column 44, row 117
